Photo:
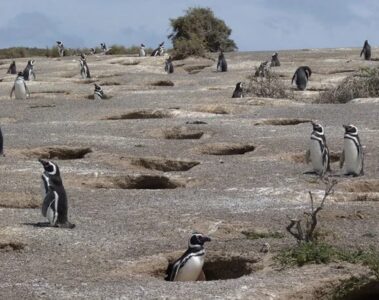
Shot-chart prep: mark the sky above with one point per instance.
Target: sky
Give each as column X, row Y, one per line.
column 256, row 24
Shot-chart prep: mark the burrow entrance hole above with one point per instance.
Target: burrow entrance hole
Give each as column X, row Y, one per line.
column 11, row 246
column 368, row 291
column 165, row 165
column 226, row 149
column 134, row 182
column 141, row 114
column 281, row 122
column 57, row 152
column 182, row 133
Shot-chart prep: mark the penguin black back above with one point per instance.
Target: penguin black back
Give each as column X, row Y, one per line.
column 29, row 70
column 12, row 68
column 238, row 91
column 301, row 77
column 366, row 50
column 1, row 143
column 275, row 60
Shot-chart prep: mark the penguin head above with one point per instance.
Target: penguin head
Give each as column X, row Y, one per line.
column 142, row 46
column 240, row 85
column 317, row 128
column 197, row 239
column 20, row 74
column 97, row 87
column 275, row 54
column 59, row 42
column 50, row 167
column 31, row 62
column 351, row 129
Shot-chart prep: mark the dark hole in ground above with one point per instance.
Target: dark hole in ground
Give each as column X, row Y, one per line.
column 179, row 133
column 164, row 165
column 105, row 83
column 369, row 291
column 12, row 246
column 162, row 83
column 282, row 122
column 42, row 106
column 92, row 97
column 300, row 157
column 57, row 152
column 134, row 182
column 141, row 114
column 196, row 122
column 226, row 149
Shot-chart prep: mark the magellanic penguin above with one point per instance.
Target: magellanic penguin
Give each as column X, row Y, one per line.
column 84, row 70
column 158, row 51
column 12, row 68
column 366, row 50
column 318, row 152
column 352, row 155
column 29, row 71
column 238, row 91
column 142, row 52
column 98, row 93
column 222, row 66
column 1, row 143
column 190, row 265
column 301, row 77
column 275, row 60
column 20, row 88
column 169, row 67
column 104, row 47
column 55, row 205
column 60, row 48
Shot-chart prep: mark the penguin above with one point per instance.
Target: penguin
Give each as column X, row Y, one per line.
column 318, row 152
column 84, row 70
column 366, row 50
column 55, row 205
column 351, row 159
column 158, row 51
column 142, row 52
column 1, row 143
column 20, row 88
column 29, row 70
column 275, row 60
column 99, row 93
column 169, row 67
column 92, row 51
column 238, row 91
column 222, row 66
column 263, row 69
column 104, row 48
column 301, row 77
column 12, row 68
column 190, row 265
column 60, row 48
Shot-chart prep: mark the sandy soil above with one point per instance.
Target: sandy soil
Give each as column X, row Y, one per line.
column 142, row 173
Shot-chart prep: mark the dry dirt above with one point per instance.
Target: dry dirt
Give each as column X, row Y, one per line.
column 167, row 155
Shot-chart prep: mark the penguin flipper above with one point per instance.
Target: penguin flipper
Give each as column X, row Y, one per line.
column 47, row 202
column 308, row 156
column 294, row 77
column 342, row 159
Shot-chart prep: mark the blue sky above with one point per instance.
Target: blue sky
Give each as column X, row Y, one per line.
column 255, row 24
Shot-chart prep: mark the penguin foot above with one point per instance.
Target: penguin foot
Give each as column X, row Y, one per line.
column 39, row 224
column 66, row 225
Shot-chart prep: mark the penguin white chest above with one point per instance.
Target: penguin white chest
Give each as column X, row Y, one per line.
column 191, row 270
column 19, row 90
column 316, row 155
column 352, row 161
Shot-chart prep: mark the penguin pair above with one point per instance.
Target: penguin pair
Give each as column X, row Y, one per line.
column 20, row 89
column 222, row 65
column 84, row 70
column 55, row 205
column 99, row 93
column 142, row 52
column 158, row 51
column 29, row 71
column 12, row 68
column 351, row 160
column 301, row 77
column 189, row 266
column 239, row 90
column 366, row 50
column 169, row 67
column 60, row 48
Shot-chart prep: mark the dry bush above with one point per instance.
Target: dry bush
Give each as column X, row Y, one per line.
column 364, row 84
column 270, row 86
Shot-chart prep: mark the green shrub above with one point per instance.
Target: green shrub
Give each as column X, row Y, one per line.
column 270, row 86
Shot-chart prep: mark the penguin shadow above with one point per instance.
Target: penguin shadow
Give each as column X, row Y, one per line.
column 47, row 224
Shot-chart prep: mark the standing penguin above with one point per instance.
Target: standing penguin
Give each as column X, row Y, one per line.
column 301, row 77
column 222, row 66
column 103, row 47
column 84, row 70
column 238, row 91
column 29, row 70
column 1, row 143
column 60, row 48
column 275, row 60
column 169, row 67
column 318, row 152
column 142, row 52
column 190, row 265
column 366, row 50
column 352, row 155
column 158, row 51
column 20, row 88
column 98, row 93
column 12, row 68
column 55, row 205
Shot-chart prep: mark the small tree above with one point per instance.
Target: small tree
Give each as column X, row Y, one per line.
column 199, row 31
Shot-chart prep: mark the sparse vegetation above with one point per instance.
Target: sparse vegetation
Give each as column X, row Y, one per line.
column 364, row 84
column 270, row 86
column 199, row 31
column 256, row 234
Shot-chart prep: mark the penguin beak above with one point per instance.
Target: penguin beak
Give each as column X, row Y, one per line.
column 206, row 239
column 43, row 162
column 345, row 126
